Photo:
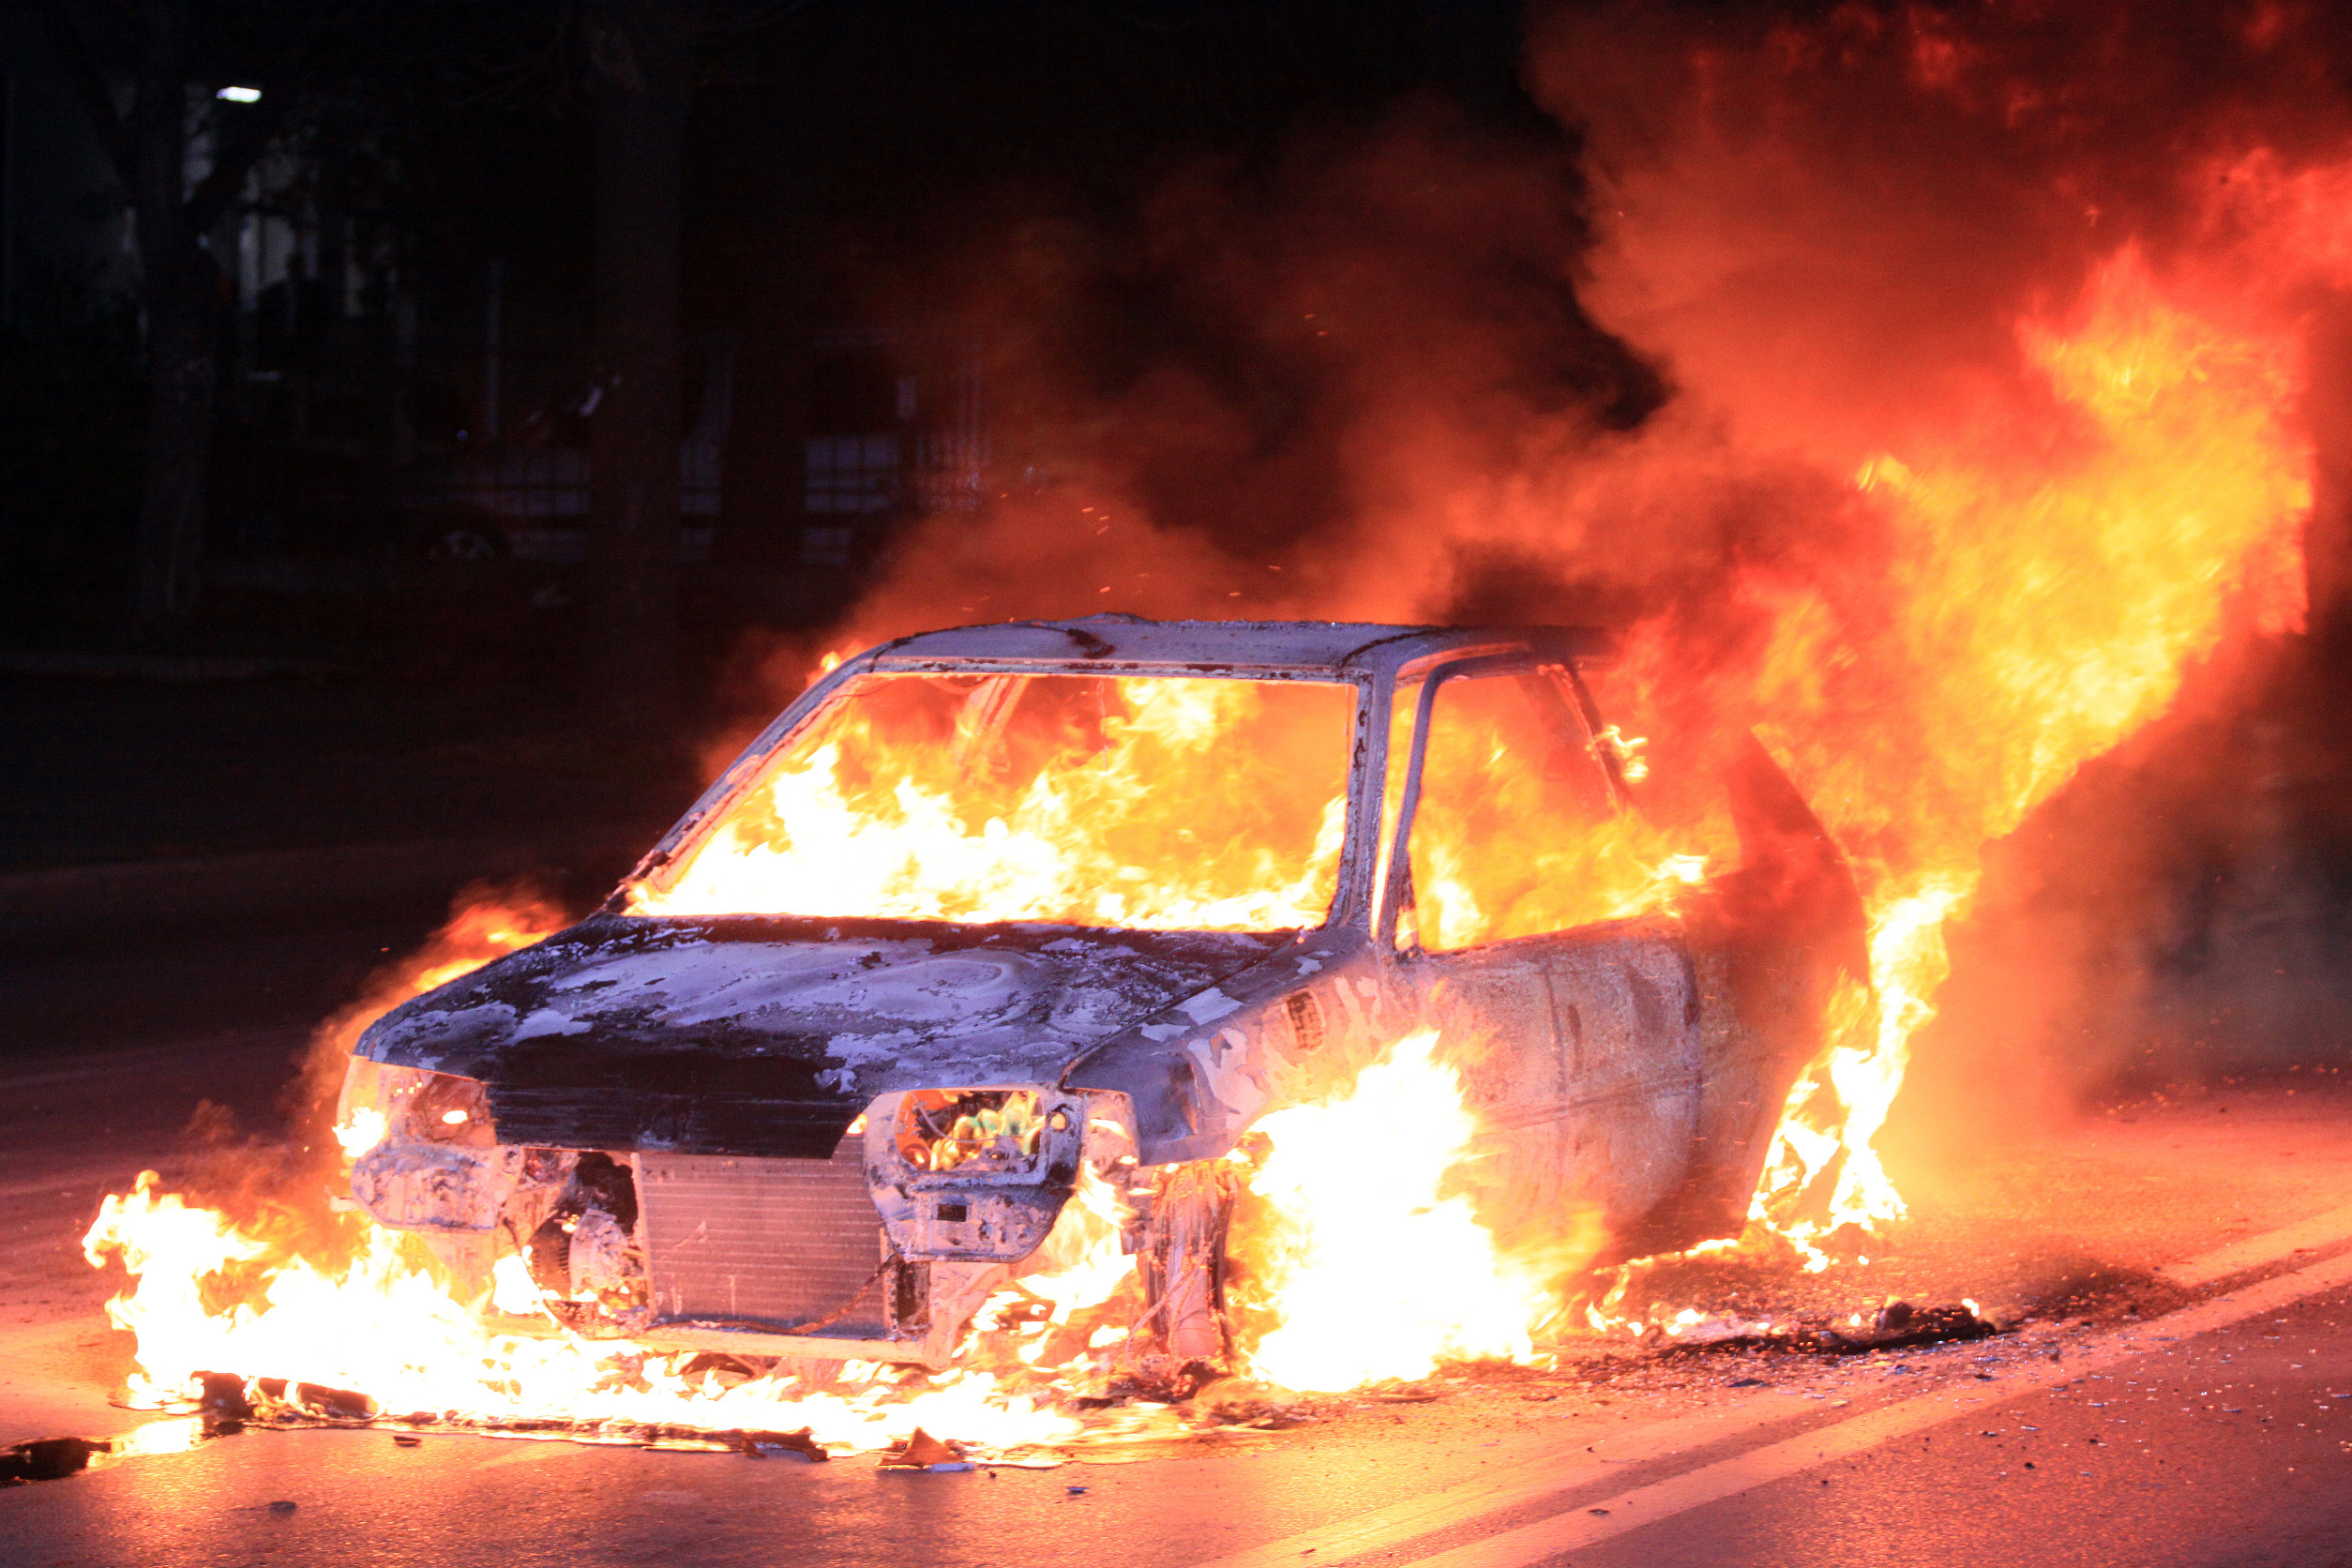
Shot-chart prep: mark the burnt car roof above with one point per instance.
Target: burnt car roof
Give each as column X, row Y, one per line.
column 1286, row 647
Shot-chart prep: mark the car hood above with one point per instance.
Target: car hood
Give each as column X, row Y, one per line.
column 767, row 1036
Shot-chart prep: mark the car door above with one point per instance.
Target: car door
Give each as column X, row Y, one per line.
column 1575, row 1024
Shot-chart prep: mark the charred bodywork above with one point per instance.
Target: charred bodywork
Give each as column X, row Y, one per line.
column 835, row 1136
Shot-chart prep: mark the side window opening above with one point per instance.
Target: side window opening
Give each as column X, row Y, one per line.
column 1514, row 829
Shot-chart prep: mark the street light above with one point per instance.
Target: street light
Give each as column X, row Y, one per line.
column 240, row 94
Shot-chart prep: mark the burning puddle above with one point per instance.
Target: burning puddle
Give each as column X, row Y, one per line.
column 351, row 1333
column 1814, row 1355
column 1011, row 1402
column 312, row 1320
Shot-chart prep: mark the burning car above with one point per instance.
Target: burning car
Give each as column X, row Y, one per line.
column 992, row 918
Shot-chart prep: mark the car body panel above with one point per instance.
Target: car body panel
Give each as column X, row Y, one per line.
column 767, row 1036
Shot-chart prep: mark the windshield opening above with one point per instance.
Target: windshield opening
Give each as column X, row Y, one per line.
column 1157, row 803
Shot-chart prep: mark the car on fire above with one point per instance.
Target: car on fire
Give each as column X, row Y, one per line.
column 991, row 912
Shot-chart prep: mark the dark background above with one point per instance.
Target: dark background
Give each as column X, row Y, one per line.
column 842, row 168
column 405, row 575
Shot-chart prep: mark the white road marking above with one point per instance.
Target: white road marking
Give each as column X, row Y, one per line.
column 1527, row 1482
column 1544, row 1539
column 1571, row 1470
column 2268, row 1247
column 531, row 1451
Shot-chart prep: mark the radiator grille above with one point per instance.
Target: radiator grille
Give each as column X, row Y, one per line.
column 770, row 1242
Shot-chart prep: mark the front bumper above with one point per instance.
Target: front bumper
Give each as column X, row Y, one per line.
column 881, row 1252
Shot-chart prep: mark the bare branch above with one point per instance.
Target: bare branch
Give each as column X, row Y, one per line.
column 234, row 156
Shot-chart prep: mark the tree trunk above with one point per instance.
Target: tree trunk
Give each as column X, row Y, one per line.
column 179, row 284
column 642, row 51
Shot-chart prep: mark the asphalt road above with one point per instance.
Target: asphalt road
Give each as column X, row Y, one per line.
column 2137, row 1416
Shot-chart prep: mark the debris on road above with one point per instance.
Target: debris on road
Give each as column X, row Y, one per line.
column 223, row 1396
column 758, row 1445
column 1898, row 1325
column 1410, row 1395
column 924, row 1451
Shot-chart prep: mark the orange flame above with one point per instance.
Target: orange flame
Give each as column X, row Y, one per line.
column 2045, row 609
column 2043, row 603
column 1171, row 804
column 207, row 1296
column 327, row 1300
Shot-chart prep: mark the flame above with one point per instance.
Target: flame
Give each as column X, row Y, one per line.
column 489, row 923
column 2049, row 604
column 329, row 1300
column 1166, row 802
column 2051, row 601
column 210, row 1296
column 2043, row 564
column 485, row 922
column 1346, row 1186
column 384, row 1326
column 1516, row 831
column 986, row 1130
column 361, row 1130
column 1366, row 1268
column 2041, row 602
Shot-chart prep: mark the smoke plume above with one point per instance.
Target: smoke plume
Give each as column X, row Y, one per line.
column 1938, row 389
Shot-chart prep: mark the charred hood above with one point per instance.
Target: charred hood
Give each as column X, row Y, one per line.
column 767, row 1036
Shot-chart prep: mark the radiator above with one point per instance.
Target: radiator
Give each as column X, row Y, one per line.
column 763, row 1242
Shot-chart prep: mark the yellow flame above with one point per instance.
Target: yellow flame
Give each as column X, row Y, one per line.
column 361, row 1131
column 1370, row 1270
column 1166, row 803
column 383, row 1325
column 2050, row 603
